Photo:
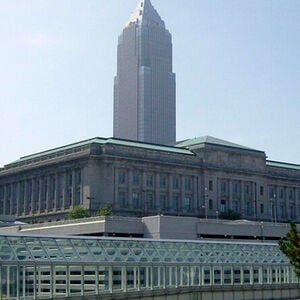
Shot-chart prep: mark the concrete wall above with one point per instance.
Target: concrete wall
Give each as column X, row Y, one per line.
column 223, row 293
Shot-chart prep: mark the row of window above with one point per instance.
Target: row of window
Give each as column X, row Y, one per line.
column 137, row 178
column 249, row 188
column 46, row 282
column 284, row 193
column 146, row 201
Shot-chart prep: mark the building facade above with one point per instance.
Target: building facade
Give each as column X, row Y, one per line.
column 144, row 87
column 200, row 177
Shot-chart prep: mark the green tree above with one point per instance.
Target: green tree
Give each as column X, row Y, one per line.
column 78, row 212
column 106, row 210
column 230, row 215
column 290, row 246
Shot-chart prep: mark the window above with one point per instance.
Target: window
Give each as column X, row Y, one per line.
column 122, row 199
column 235, row 205
column 176, row 182
column 248, row 208
column 206, row 276
column 223, row 205
column 52, row 187
column 188, row 203
column 282, row 211
column 236, row 187
column 163, row 181
column 149, row 180
column 175, row 203
column 70, row 197
column 223, row 187
column 210, row 204
column 70, row 178
column 291, row 194
column 217, row 276
column 272, row 192
column 292, row 212
column 262, row 208
column 227, row 275
column 163, row 201
column 135, row 200
column 188, row 183
column 122, row 177
column 281, row 193
column 261, row 190
column 210, row 185
column 237, row 275
column 136, row 179
column 150, row 202
column 247, row 189
column 78, row 177
column 77, row 196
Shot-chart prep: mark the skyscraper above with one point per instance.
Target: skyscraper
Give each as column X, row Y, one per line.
column 144, row 88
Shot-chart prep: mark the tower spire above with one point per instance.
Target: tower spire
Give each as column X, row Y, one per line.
column 145, row 14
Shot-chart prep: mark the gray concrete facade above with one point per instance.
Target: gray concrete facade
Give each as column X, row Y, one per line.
column 198, row 178
column 159, row 227
column 144, row 88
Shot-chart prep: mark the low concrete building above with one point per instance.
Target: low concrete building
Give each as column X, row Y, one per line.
column 201, row 177
column 158, row 227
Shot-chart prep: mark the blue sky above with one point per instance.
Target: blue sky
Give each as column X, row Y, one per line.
column 236, row 61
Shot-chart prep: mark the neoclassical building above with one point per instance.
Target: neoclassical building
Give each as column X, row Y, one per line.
column 199, row 177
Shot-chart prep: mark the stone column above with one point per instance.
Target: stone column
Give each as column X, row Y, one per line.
column 195, row 206
column 219, row 193
column 18, row 198
column 242, row 200
column 73, row 187
column 116, row 188
column 182, row 195
column 5, row 198
column 25, row 197
column 33, row 199
column 129, row 183
column 56, row 194
column 169, row 194
column 230, row 187
column 65, row 191
column 254, row 200
column 47, row 204
column 40, row 194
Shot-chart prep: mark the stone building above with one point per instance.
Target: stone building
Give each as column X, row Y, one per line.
column 199, row 177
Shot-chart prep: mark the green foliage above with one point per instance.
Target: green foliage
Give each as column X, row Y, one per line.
column 78, row 212
column 291, row 247
column 106, row 210
column 230, row 215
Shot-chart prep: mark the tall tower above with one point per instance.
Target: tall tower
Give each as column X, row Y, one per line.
column 144, row 88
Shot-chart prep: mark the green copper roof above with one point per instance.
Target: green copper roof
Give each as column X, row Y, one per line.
column 284, row 165
column 112, row 141
column 211, row 140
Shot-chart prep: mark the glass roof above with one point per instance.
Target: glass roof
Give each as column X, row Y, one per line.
column 112, row 250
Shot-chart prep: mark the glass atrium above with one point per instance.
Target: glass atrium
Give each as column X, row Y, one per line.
column 43, row 267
